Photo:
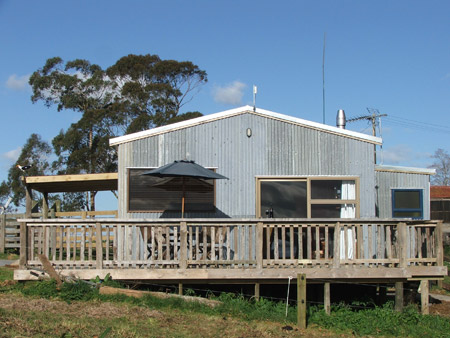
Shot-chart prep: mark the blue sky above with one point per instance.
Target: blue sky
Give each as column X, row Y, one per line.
column 393, row 56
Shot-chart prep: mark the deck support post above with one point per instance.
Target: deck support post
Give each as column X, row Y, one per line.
column 259, row 246
column 326, row 298
column 183, row 245
column 180, row 289
column 257, row 291
column 45, row 205
column 28, row 201
column 337, row 246
column 399, row 296
column 23, row 245
column 99, row 245
column 424, row 294
column 439, row 248
column 301, row 300
column 2, row 233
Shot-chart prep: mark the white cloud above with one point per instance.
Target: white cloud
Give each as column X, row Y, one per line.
column 16, row 82
column 230, row 94
column 12, row 155
column 403, row 155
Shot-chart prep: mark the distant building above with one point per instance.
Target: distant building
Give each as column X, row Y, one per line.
column 440, row 203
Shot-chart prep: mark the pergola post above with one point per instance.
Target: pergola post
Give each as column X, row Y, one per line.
column 28, row 201
column 45, row 206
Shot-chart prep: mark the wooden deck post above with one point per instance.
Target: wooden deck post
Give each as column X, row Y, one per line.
column 259, row 245
column 28, row 201
column 301, row 300
column 424, row 294
column 439, row 248
column 337, row 246
column 401, row 245
column 45, row 205
column 2, row 233
column 399, row 296
column 98, row 245
column 257, row 291
column 183, row 245
column 180, row 289
column 23, row 245
column 326, row 298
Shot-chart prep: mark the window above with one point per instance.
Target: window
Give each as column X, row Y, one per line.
column 407, row 203
column 153, row 194
column 311, row 197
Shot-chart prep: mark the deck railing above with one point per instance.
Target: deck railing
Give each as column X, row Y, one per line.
column 230, row 243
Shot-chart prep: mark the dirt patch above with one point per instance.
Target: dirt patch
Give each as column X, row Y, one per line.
column 95, row 309
column 442, row 309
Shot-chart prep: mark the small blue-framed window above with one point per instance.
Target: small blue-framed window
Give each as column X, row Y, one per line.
column 407, row 203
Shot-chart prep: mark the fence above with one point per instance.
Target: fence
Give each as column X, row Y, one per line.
column 230, row 245
column 10, row 227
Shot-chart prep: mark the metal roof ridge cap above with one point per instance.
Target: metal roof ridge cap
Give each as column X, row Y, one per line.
column 382, row 167
column 321, row 126
column 177, row 125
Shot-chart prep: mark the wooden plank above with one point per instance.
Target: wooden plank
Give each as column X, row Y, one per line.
column 308, row 242
column 326, row 253
column 424, row 296
column 401, row 243
column 300, row 242
column 326, row 298
column 337, row 248
column 183, row 245
column 317, row 254
column 2, row 233
column 388, row 242
column 399, row 296
column 301, row 301
column 259, row 245
column 275, row 243
column 283, row 241
column 23, row 245
column 99, row 246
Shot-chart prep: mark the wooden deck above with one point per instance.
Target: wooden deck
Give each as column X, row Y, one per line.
column 234, row 250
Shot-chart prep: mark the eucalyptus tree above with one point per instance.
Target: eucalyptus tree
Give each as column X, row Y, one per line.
column 35, row 156
column 150, row 92
column 138, row 92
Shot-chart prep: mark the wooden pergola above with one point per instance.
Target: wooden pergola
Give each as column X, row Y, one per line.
column 66, row 183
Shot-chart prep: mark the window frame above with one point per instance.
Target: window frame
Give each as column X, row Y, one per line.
column 421, row 209
column 128, row 170
column 309, row 200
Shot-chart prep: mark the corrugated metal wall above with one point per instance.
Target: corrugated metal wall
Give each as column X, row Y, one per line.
column 275, row 148
column 387, row 180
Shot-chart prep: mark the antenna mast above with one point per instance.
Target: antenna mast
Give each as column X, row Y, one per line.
column 255, row 91
column 323, row 76
column 374, row 117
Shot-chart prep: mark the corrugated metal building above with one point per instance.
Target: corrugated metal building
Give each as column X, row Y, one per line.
column 268, row 158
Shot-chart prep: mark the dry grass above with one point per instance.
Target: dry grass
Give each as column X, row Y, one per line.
column 31, row 317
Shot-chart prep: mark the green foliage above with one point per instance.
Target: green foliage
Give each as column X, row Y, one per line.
column 380, row 321
column 152, row 91
column 6, row 274
column 35, row 152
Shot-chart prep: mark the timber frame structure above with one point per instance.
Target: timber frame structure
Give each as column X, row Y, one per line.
column 235, row 250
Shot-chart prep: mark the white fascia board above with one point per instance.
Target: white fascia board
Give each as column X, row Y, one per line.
column 238, row 111
column 407, row 170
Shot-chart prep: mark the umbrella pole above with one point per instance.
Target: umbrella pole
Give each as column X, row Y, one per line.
column 182, row 202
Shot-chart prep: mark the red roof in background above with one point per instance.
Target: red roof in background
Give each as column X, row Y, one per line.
column 440, row 192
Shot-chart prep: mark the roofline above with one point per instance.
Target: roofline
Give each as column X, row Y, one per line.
column 407, row 170
column 243, row 110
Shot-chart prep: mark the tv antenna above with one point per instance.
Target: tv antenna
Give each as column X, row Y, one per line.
column 374, row 117
column 255, row 91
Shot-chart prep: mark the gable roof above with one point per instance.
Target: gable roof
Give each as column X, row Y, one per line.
column 240, row 111
column 406, row 170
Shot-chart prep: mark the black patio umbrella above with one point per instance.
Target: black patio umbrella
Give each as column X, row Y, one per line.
column 184, row 169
